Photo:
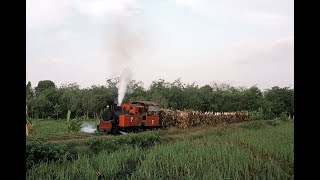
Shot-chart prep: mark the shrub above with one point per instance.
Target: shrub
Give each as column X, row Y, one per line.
column 74, row 125
column 283, row 117
column 261, row 124
column 142, row 140
column 38, row 151
column 273, row 122
column 254, row 125
column 256, row 115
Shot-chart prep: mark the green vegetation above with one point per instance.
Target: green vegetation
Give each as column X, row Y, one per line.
column 38, row 151
column 50, row 129
column 259, row 149
column 45, row 151
column 277, row 142
column 249, row 150
column 48, row 101
column 46, row 129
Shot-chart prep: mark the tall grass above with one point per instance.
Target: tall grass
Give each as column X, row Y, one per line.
column 38, row 151
column 116, row 165
column 46, row 129
column 278, row 142
column 211, row 157
column 214, row 155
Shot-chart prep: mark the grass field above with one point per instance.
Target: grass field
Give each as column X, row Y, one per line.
column 249, row 150
column 54, row 130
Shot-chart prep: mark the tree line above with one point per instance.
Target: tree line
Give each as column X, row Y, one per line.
column 46, row 100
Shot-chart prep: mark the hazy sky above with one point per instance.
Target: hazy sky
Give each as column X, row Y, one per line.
column 242, row 42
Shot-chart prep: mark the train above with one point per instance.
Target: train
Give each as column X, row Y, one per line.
column 133, row 117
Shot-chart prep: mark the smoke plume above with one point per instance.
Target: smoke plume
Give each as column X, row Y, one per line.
column 125, row 43
column 125, row 78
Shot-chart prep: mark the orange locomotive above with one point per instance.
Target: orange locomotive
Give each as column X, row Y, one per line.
column 136, row 116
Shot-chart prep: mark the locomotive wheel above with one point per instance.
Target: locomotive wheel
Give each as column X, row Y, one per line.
column 115, row 131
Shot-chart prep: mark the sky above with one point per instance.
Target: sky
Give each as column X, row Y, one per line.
column 240, row 42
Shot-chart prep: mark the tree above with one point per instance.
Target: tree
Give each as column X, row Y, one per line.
column 205, row 96
column 280, row 100
column 29, row 91
column 159, row 92
column 221, row 86
column 29, row 97
column 48, row 100
column 86, row 104
column 251, row 99
column 98, row 99
column 46, row 94
column 191, row 97
column 135, row 92
column 57, row 110
column 139, row 93
column 162, row 101
column 175, row 94
column 70, row 98
column 41, row 105
column 44, row 85
column 112, row 88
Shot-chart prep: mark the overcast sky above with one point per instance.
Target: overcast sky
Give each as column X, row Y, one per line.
column 242, row 42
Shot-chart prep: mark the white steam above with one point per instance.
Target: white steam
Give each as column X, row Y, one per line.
column 125, row 78
column 88, row 127
column 125, row 44
column 124, row 47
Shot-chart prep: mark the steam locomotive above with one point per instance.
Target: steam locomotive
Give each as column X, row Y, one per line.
column 133, row 117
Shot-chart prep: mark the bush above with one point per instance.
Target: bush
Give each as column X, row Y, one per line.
column 143, row 140
column 38, row 151
column 256, row 115
column 74, row 125
column 283, row 117
column 260, row 124
column 268, row 114
column 254, row 125
column 273, row 122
